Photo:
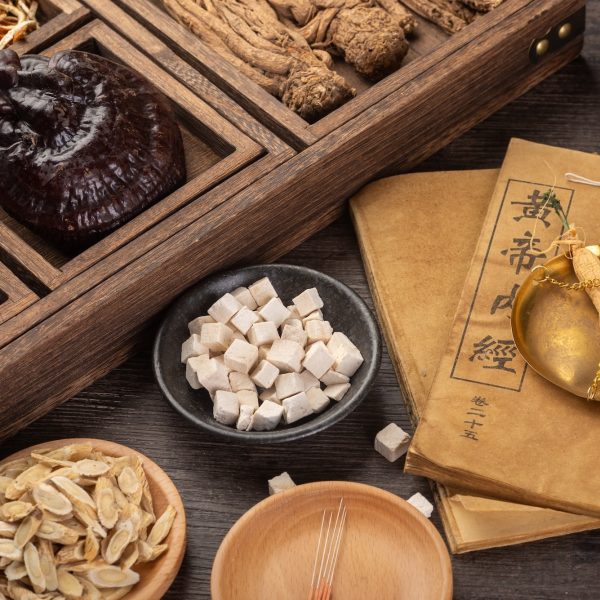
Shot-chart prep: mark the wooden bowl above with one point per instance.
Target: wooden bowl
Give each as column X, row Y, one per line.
column 390, row 551
column 155, row 577
column 343, row 308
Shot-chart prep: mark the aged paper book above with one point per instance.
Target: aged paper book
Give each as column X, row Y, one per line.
column 491, row 425
column 401, row 223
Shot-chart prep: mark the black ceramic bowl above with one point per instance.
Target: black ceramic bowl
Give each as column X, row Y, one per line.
column 343, row 308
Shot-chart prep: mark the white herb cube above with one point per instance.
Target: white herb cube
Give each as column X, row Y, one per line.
column 281, row 483
column 215, row 336
column 392, row 442
column 297, row 323
column 339, row 341
column 244, row 297
column 241, row 356
column 226, row 407
column 309, row 380
column 221, row 359
column 248, row 398
column 192, row 347
column 332, row 377
column 307, row 302
column 275, row 311
column 263, row 351
column 195, row 326
column 190, row 372
column 244, row 319
column 224, row 308
column 421, row 504
column 241, row 381
column 267, row 417
column 286, row 355
column 265, row 374
column 316, row 315
column 296, row 334
column 269, row 395
column 337, row 391
column 318, row 399
column 262, row 291
column 288, row 384
column 211, row 373
column 318, row 331
column 263, row 333
column 244, row 421
column 348, row 361
column 296, row 407
column 318, row 360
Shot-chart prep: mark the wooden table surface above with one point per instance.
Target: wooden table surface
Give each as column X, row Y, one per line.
column 220, row 480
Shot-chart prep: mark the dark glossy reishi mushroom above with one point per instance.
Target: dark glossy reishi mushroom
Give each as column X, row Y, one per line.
column 85, row 144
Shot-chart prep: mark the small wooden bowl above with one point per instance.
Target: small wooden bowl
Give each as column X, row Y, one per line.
column 155, row 577
column 390, row 551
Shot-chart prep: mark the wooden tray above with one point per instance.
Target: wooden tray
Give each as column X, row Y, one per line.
column 429, row 50
column 68, row 320
column 57, row 18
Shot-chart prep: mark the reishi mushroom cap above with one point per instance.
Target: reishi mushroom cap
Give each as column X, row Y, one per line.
column 85, row 144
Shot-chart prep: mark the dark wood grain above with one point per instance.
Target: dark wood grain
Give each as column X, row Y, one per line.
column 220, row 480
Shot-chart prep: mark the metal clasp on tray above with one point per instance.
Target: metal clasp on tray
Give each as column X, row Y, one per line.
column 558, row 36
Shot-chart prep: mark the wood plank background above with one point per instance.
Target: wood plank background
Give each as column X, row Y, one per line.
column 219, row 480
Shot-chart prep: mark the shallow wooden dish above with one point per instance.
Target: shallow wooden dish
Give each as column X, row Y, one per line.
column 155, row 577
column 390, row 551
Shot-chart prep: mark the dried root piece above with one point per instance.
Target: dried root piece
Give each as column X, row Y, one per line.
column 17, row 19
column 112, row 577
column 57, row 533
column 162, row 527
column 10, row 550
column 48, row 565
column 28, row 528
column 73, row 491
column 49, row 499
column 7, row 530
column 366, row 35
column 483, row 5
column 439, row 12
column 15, row 570
column 26, row 480
column 15, row 511
column 69, row 585
column 248, row 34
column 106, row 503
column 31, row 558
column 91, row 468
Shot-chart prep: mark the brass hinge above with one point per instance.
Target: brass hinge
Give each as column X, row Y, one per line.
column 558, row 36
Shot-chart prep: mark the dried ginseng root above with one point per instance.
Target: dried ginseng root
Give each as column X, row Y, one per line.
column 17, row 19
column 446, row 14
column 248, row 34
column 367, row 36
column 76, row 524
column 483, row 5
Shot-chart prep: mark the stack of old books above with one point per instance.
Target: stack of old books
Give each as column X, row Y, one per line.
column 513, row 456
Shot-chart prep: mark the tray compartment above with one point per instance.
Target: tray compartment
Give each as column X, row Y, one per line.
column 214, row 150
column 57, row 18
column 428, row 48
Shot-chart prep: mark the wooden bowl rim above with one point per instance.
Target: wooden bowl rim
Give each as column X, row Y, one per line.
column 343, row 488
column 177, row 539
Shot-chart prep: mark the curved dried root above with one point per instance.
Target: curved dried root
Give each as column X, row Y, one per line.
column 248, row 34
column 17, row 19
